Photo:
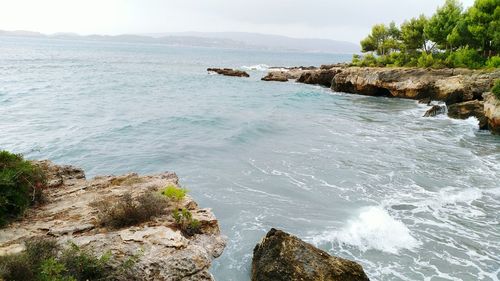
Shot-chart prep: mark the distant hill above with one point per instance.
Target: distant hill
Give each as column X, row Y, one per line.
column 237, row 40
column 275, row 42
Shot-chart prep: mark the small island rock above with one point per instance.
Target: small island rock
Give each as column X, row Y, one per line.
column 229, row 72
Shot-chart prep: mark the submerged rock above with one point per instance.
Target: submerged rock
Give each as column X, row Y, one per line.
column 435, row 110
column 283, row 257
column 161, row 250
column 468, row 109
column 492, row 112
column 229, row 72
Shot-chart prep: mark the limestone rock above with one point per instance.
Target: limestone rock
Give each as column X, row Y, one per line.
column 492, row 112
column 321, row 77
column 229, row 72
column 279, row 76
column 283, row 257
column 69, row 214
column 468, row 109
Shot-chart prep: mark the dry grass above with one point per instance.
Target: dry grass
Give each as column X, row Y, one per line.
column 130, row 211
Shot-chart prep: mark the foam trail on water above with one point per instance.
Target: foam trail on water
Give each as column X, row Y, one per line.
column 375, row 229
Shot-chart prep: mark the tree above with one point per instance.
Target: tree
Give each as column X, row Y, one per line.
column 442, row 23
column 382, row 39
column 413, row 36
column 483, row 24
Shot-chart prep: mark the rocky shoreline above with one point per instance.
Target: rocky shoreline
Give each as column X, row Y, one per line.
column 464, row 91
column 161, row 251
column 158, row 248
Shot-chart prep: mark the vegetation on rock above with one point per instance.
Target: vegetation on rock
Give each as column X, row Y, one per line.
column 21, row 185
column 185, row 222
column 130, row 211
column 44, row 260
column 173, row 192
column 451, row 37
column 496, row 89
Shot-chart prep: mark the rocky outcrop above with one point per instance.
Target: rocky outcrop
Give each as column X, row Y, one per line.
column 229, row 72
column 464, row 110
column 435, row 110
column 492, row 112
column 448, row 85
column 283, row 257
column 323, row 77
column 279, row 76
column 161, row 249
column 452, row 86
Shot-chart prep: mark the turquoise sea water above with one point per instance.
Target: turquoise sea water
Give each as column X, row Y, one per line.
column 364, row 178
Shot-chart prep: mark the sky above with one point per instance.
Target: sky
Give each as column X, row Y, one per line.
column 330, row 19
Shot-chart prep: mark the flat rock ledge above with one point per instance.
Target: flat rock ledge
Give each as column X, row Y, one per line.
column 283, row 257
column 162, row 251
column 229, row 72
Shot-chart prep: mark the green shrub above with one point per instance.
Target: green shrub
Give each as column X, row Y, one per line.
column 27, row 265
column 465, row 57
column 185, row 222
column 43, row 260
column 173, row 192
column 129, row 211
column 83, row 265
column 496, row 89
column 21, row 185
column 430, row 60
column 493, row 62
column 53, row 270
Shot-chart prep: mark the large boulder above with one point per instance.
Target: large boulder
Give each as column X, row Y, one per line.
column 492, row 112
column 468, row 109
column 283, row 257
column 229, row 72
column 160, row 249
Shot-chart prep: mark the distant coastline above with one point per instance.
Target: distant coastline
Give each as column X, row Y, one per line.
column 231, row 40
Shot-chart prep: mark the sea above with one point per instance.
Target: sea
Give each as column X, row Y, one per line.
column 363, row 178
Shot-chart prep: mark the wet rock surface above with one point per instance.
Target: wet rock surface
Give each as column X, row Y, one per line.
column 468, row 109
column 283, row 257
column 435, row 110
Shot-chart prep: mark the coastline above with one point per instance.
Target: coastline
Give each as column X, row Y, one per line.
column 454, row 87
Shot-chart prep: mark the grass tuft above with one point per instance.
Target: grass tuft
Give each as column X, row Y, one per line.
column 174, row 193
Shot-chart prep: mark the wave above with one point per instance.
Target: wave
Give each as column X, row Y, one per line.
column 373, row 228
column 257, row 67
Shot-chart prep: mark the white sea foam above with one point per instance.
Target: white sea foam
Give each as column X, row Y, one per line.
column 257, row 67
column 453, row 196
column 373, row 228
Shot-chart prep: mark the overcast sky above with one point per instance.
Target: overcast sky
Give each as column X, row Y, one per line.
column 341, row 20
